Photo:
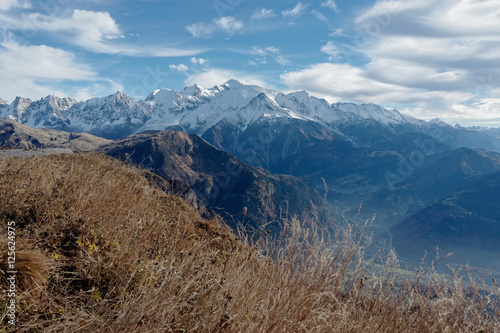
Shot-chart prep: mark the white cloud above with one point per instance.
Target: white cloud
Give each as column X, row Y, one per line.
column 34, row 71
column 263, row 14
column 434, row 18
column 41, row 62
column 264, row 51
column 485, row 108
column 337, row 82
column 216, row 76
column 338, row 32
column 153, row 51
column 201, row 30
column 282, row 60
column 94, row 31
column 343, row 82
column 332, row 50
column 319, row 16
column 297, row 11
column 330, row 4
column 89, row 29
column 179, row 68
column 8, row 4
column 428, row 57
column 449, row 46
column 261, row 55
column 198, row 61
column 229, row 24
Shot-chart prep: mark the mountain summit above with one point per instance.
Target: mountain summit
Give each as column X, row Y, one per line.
column 194, row 109
column 235, row 107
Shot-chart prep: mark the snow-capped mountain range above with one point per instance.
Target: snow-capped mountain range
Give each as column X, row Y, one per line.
column 196, row 109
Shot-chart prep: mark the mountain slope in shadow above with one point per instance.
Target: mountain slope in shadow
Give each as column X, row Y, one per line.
column 237, row 191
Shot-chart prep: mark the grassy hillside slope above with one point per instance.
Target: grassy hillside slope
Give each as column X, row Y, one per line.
column 101, row 250
column 16, row 135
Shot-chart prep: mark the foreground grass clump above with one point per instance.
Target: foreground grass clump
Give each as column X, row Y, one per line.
column 99, row 249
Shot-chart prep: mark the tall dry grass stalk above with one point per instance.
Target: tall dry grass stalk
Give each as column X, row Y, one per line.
column 33, row 267
column 126, row 257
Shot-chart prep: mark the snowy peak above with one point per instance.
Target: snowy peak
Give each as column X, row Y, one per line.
column 21, row 103
column 266, row 106
column 263, row 101
column 302, row 96
column 17, row 108
column 119, row 99
column 233, row 84
column 165, row 99
column 308, row 106
column 48, row 112
column 439, row 122
column 194, row 93
column 195, row 110
column 3, row 102
column 372, row 111
column 58, row 104
column 119, row 110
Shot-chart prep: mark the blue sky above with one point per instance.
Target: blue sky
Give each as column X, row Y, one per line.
column 428, row 58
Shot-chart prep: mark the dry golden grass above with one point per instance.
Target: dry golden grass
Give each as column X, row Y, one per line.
column 116, row 255
column 33, row 267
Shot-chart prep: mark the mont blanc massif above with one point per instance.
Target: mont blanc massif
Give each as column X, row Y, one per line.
column 253, row 155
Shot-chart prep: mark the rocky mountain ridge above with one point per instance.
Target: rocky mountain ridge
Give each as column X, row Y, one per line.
column 197, row 110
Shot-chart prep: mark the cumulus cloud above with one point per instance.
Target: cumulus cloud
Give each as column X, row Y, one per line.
column 263, row 14
column 31, row 70
column 282, row 60
column 337, row 82
column 90, row 29
column 179, row 68
column 94, row 31
column 198, row 61
column 484, row 109
column 227, row 24
column 201, row 30
column 332, row 50
column 259, row 51
column 432, row 57
column 296, row 11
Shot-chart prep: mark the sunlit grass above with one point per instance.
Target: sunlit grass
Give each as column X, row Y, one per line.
column 111, row 253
